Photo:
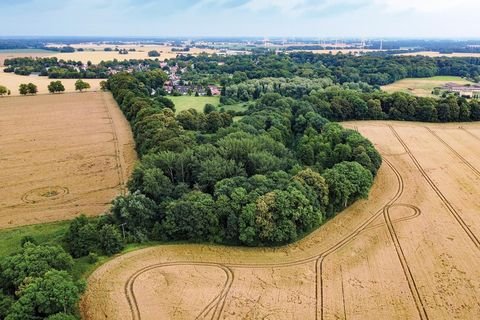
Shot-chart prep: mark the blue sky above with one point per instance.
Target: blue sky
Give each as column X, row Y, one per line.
column 284, row 18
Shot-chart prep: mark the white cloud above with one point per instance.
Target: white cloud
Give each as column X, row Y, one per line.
column 427, row 6
column 298, row 7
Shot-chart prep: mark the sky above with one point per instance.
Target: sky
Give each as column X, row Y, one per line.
column 236, row 18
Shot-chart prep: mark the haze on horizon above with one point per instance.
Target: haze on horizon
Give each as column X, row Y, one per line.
column 236, row 18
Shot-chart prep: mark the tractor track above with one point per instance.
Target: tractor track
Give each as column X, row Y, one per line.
column 218, row 303
column 442, row 197
column 465, row 161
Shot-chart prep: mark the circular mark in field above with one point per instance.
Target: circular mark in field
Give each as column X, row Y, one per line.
column 45, row 193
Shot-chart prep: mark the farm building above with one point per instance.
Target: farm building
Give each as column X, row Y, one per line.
column 468, row 91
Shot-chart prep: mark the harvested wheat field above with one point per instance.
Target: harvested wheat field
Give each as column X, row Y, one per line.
column 61, row 155
column 10, row 54
column 411, row 251
column 423, row 87
column 13, row 81
column 96, row 54
column 434, row 54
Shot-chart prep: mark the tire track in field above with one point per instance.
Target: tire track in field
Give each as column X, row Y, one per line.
column 442, row 197
column 416, row 213
column 119, row 168
column 216, row 305
column 319, row 259
column 465, row 161
column 403, row 261
column 470, row 133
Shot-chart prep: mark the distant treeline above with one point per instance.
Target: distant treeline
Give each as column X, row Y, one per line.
column 341, row 68
column 352, row 101
column 60, row 69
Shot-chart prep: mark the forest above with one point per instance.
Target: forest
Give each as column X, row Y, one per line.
column 341, row 68
column 268, row 179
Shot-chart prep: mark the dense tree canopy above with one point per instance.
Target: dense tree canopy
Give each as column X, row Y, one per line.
column 264, row 180
column 35, row 283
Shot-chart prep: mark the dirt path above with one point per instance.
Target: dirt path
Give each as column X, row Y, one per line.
column 408, row 252
column 61, row 155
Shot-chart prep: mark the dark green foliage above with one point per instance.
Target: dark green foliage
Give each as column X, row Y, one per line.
column 208, row 108
column 136, row 211
column 49, row 294
column 27, row 239
column 86, row 236
column 81, row 237
column 56, row 86
column 62, row 316
column 110, row 239
column 153, row 53
column 6, row 303
column 35, row 283
column 191, row 218
column 347, row 181
column 32, row 261
column 256, row 182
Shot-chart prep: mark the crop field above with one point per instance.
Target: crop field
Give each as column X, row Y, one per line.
column 422, row 87
column 61, row 155
column 32, row 53
column 434, row 54
column 411, row 251
column 12, row 82
column 96, row 53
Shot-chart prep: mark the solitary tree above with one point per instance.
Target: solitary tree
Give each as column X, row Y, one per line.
column 81, row 85
column 32, row 89
column 3, row 91
column 23, row 89
column 153, row 53
column 56, row 86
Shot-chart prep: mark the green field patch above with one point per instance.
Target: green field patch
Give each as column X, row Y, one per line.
column 191, row 102
column 49, row 233
column 422, row 87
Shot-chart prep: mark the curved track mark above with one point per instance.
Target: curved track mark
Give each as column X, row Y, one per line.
column 403, row 261
column 217, row 304
column 416, row 213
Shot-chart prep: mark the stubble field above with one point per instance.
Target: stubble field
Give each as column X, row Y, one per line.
column 423, row 87
column 61, row 155
column 410, row 251
column 12, row 82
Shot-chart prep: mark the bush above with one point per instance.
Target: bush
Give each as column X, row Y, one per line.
column 92, row 258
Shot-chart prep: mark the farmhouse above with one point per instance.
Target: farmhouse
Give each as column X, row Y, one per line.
column 214, row 90
column 468, row 91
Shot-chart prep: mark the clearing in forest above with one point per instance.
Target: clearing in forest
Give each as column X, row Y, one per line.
column 61, row 155
column 422, row 87
column 191, row 102
column 411, row 251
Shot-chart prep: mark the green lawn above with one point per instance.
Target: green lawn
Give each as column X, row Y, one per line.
column 52, row 233
column 192, row 102
column 42, row 233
